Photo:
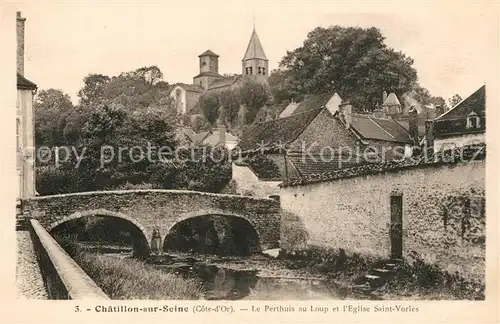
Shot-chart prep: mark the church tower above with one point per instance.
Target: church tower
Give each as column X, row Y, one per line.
column 209, row 69
column 255, row 63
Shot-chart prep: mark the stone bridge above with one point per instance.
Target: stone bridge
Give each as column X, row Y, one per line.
column 149, row 210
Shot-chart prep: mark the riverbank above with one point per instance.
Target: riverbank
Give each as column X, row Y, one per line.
column 131, row 279
column 416, row 280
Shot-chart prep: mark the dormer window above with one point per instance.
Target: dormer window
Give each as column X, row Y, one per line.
column 473, row 120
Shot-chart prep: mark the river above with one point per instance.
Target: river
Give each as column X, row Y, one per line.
column 256, row 277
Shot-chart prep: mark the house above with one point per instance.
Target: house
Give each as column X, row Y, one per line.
column 462, row 125
column 396, row 210
column 383, row 137
column 217, row 137
column 25, row 125
column 289, row 109
column 314, row 140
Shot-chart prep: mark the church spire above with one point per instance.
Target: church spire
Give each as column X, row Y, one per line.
column 254, row 48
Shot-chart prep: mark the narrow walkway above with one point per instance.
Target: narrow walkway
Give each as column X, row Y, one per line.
column 29, row 281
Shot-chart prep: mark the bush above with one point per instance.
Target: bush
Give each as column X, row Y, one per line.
column 264, row 167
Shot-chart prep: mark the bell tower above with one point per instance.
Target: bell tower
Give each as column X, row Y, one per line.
column 209, row 69
column 255, row 63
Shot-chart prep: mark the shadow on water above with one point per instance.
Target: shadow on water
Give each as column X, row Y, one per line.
column 222, row 283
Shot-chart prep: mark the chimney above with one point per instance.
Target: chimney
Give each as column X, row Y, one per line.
column 384, row 96
column 380, row 113
column 346, row 113
column 439, row 110
column 431, row 113
column 20, row 42
column 413, row 124
column 222, row 135
column 429, row 134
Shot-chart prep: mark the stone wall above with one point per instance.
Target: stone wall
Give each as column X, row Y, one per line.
column 443, row 214
column 247, row 183
column 442, row 144
column 157, row 209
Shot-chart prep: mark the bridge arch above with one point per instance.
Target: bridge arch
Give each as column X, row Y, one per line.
column 141, row 248
column 251, row 230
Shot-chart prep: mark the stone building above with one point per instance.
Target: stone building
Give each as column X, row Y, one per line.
column 431, row 208
column 25, row 125
column 464, row 124
column 254, row 66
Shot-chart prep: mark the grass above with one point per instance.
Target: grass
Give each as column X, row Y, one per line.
column 125, row 278
column 132, row 279
column 415, row 281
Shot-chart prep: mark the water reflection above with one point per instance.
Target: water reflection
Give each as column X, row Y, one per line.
column 221, row 283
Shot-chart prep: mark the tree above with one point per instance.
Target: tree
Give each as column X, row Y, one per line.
column 353, row 61
column 230, row 101
column 253, row 96
column 93, row 89
column 52, row 107
column 209, row 104
column 453, row 101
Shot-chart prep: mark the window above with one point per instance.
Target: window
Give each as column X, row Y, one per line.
column 260, row 70
column 473, row 120
column 263, row 70
column 18, row 126
column 250, row 69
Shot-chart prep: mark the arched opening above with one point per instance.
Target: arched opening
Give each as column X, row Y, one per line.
column 101, row 233
column 213, row 234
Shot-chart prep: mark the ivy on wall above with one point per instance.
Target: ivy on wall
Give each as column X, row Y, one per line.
column 264, row 167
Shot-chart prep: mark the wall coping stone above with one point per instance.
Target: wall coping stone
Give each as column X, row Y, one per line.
column 470, row 153
column 166, row 191
column 78, row 284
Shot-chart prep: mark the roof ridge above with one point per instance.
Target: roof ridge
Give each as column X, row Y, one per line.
column 458, row 104
column 381, row 128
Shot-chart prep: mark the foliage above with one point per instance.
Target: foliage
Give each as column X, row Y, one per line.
column 129, row 278
column 253, row 96
column 119, row 126
column 52, row 108
column 199, row 123
column 352, row 61
column 264, row 167
column 93, row 89
column 209, row 104
column 230, row 101
column 453, row 101
column 418, row 279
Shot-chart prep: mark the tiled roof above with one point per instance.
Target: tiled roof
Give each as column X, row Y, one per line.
column 475, row 102
column 199, row 137
column 25, row 84
column 254, row 48
column 307, row 165
column 208, row 53
column 214, row 138
column 465, row 154
column 277, row 131
column 223, row 82
column 370, row 127
column 191, row 87
column 313, row 102
column 406, row 125
column 391, row 100
column 210, row 74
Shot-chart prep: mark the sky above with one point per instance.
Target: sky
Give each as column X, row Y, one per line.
column 66, row 41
